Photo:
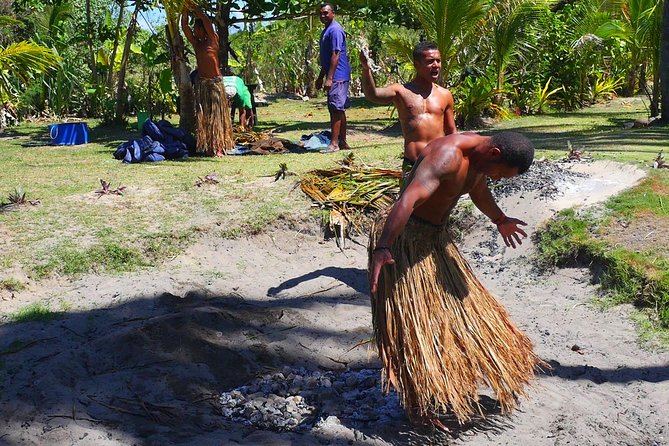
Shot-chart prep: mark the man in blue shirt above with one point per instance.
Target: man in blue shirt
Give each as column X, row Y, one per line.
column 337, row 73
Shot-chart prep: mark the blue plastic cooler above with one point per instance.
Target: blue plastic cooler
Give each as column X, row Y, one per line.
column 69, row 134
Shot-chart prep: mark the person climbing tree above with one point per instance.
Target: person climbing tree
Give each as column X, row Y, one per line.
column 212, row 113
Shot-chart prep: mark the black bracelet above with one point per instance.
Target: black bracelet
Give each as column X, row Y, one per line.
column 381, row 248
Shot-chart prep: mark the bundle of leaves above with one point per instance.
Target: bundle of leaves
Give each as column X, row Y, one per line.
column 352, row 189
column 246, row 136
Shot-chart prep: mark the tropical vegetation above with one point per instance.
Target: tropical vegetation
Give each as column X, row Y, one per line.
column 103, row 58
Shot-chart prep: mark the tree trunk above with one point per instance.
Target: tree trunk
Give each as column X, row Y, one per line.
column 249, row 72
column 630, row 88
column 222, row 21
column 121, row 91
column 149, row 98
column 310, row 77
column 498, row 98
column 89, row 41
column 110, row 74
column 181, row 73
column 664, row 64
column 655, row 98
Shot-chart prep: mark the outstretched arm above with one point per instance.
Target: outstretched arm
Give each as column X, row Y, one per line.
column 507, row 226
column 377, row 95
column 185, row 27
column 429, row 173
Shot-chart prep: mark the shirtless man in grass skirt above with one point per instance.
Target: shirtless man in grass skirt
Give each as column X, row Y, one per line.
column 439, row 332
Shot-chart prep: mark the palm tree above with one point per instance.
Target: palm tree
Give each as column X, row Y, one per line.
column 509, row 21
column 654, row 34
column 449, row 24
column 640, row 32
column 22, row 60
column 588, row 30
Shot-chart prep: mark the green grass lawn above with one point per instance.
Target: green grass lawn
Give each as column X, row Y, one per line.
column 72, row 230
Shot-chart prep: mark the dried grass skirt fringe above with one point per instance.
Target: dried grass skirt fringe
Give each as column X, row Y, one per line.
column 440, row 333
column 214, row 126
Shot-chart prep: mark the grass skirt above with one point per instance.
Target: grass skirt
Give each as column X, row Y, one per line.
column 440, row 333
column 214, row 126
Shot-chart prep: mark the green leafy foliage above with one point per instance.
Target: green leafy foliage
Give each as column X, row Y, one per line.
column 449, row 23
column 543, row 95
column 20, row 61
column 475, row 99
column 604, row 87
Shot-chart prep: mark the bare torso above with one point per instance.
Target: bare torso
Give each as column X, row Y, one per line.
column 206, row 53
column 438, row 206
column 421, row 116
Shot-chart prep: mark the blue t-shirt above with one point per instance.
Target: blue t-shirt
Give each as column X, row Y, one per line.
column 333, row 38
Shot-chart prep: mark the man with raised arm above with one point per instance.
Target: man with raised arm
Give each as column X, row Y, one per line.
column 439, row 332
column 214, row 127
column 425, row 108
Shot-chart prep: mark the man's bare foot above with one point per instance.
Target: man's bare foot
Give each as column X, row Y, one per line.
column 220, row 154
column 330, row 149
column 343, row 145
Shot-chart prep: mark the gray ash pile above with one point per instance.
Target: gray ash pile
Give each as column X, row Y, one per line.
column 543, row 177
column 296, row 399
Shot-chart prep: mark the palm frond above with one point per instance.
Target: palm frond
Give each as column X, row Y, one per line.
column 6, row 20
column 448, row 22
column 400, row 43
column 22, row 59
column 593, row 17
column 351, row 190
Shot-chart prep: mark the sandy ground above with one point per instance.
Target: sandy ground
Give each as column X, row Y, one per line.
column 141, row 359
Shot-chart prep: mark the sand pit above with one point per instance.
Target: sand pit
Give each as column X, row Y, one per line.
column 212, row 345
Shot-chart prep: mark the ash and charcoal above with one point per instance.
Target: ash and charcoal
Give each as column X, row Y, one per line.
column 543, row 176
column 298, row 399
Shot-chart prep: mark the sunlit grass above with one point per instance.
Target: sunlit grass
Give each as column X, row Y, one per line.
column 34, row 312
column 73, row 231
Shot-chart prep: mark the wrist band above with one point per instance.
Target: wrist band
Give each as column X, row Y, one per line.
column 498, row 221
column 381, row 248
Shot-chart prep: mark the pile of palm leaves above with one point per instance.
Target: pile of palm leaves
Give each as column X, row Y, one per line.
column 350, row 191
column 247, row 136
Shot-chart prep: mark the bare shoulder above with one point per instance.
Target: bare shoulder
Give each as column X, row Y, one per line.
column 445, row 154
column 396, row 87
column 402, row 87
column 445, row 93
